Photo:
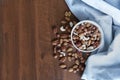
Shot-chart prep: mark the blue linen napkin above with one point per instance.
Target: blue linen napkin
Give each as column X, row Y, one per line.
column 104, row 64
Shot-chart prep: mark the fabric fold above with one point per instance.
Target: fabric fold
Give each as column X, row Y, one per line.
column 105, row 8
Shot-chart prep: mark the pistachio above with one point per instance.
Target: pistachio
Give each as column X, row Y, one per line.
column 67, row 13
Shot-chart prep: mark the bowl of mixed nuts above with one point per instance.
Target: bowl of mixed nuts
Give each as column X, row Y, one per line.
column 87, row 36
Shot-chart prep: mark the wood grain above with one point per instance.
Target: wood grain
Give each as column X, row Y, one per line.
column 25, row 40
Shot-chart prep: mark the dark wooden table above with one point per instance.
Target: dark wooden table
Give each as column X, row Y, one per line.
column 25, row 40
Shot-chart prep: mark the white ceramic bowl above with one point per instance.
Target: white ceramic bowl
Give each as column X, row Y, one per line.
column 99, row 28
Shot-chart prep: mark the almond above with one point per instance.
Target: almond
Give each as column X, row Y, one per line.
column 70, row 69
column 63, row 66
column 69, row 49
column 77, row 62
column 62, row 59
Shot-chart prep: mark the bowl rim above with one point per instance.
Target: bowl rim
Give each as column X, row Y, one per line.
column 99, row 28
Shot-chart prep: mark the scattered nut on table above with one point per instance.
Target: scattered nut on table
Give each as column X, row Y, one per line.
column 63, row 66
column 63, row 50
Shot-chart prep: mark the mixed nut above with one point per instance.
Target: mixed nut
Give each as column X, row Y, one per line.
column 86, row 36
column 69, row 58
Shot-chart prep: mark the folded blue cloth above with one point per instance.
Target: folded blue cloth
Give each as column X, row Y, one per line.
column 104, row 64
